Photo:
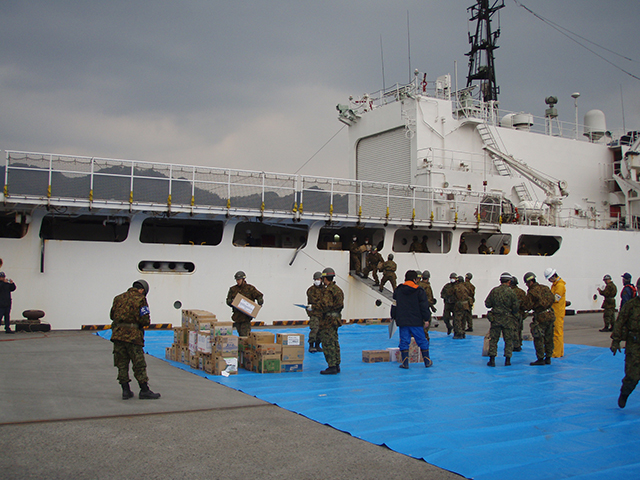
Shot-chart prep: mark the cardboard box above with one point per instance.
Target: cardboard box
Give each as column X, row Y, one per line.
column 225, row 366
column 194, row 360
column 221, row 328
column 225, row 346
column 243, row 344
column 266, row 364
column 334, row 245
column 290, row 367
column 268, row 349
column 375, row 356
column 293, row 339
column 193, row 341
column 394, row 354
column 181, row 336
column 204, row 341
column 247, row 360
column 292, row 354
column 168, row 353
column 261, row 337
column 373, row 321
column 245, row 305
column 184, row 355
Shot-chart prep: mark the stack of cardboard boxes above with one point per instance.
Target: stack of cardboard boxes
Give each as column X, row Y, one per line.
column 205, row 344
column 392, row 354
column 265, row 352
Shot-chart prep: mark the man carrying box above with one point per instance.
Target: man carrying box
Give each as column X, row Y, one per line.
column 242, row 321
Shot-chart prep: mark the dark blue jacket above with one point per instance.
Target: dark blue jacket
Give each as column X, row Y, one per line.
column 5, row 293
column 412, row 306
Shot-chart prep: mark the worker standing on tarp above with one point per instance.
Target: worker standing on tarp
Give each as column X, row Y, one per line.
column 559, row 290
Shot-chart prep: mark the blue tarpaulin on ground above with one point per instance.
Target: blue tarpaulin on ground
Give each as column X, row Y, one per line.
column 524, row 422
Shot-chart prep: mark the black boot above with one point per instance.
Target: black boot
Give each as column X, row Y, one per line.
column 625, row 391
column 404, row 356
column 507, row 361
column 605, row 329
column 539, row 361
column 449, row 327
column 146, row 394
column 426, row 358
column 126, row 391
column 312, row 348
column 330, row 371
column 491, row 362
column 319, row 349
column 547, row 360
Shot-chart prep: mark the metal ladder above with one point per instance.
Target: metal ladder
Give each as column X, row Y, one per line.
column 487, row 139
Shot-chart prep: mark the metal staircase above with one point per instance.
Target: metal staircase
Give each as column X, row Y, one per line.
column 522, row 192
column 388, row 294
column 488, row 140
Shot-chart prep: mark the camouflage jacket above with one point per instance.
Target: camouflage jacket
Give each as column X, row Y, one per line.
column 331, row 306
column 521, row 298
column 503, row 303
column 129, row 314
column 447, row 293
column 314, row 297
column 609, row 293
column 249, row 291
column 627, row 325
column 537, row 299
column 374, row 258
column 389, row 267
column 426, row 286
column 472, row 290
column 461, row 294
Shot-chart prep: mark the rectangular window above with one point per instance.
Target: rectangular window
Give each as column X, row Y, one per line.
column 90, row 228
column 176, row 231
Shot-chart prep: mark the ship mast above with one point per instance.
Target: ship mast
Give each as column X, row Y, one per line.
column 483, row 43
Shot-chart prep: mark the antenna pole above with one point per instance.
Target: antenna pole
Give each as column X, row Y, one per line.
column 382, row 60
column 409, row 45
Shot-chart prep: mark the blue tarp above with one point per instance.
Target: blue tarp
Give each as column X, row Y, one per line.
column 524, row 422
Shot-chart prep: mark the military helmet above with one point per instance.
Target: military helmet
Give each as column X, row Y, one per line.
column 239, row 274
column 426, row 274
column 418, row 274
column 390, row 257
column 514, row 280
column 606, row 277
column 529, row 276
column 460, row 278
column 453, row 275
column 506, row 277
column 469, row 275
column 328, row 272
column 317, row 275
column 141, row 284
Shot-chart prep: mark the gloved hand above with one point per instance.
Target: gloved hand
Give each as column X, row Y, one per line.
column 309, row 308
column 229, row 302
column 615, row 348
column 260, row 301
column 433, row 309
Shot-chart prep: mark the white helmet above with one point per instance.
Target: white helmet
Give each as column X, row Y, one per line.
column 549, row 272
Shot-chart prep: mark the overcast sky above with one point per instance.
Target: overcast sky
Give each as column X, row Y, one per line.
column 254, row 84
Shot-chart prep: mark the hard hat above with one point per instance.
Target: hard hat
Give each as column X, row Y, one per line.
column 141, row 284
column 390, row 257
column 317, row 275
column 239, row 274
column 453, row 275
column 549, row 272
column 328, row 272
column 506, row 277
column 529, row 276
column 426, row 274
column 469, row 275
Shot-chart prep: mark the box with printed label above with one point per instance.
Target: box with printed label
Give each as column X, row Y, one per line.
column 245, row 305
column 290, row 367
column 375, row 356
column 193, row 341
column 226, row 345
column 292, row 354
column 268, row 349
column 261, row 337
column 194, row 360
column 181, row 336
column 292, row 339
column 228, row 365
column 221, row 328
column 204, row 341
column 247, row 360
column 184, row 355
column 168, row 353
column 266, row 364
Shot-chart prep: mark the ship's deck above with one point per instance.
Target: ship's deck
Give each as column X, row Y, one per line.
column 63, row 418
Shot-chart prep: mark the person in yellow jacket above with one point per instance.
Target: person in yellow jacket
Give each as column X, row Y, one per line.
column 559, row 290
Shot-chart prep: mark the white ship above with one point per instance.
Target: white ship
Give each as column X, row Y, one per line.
column 428, row 159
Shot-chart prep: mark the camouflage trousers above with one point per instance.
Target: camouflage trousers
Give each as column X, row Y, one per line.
column 542, row 333
column 242, row 323
column 372, row 268
column 609, row 317
column 507, row 334
column 388, row 277
column 330, row 345
column 125, row 352
column 468, row 320
column 631, row 367
column 447, row 314
column 314, row 325
column 459, row 318
column 517, row 331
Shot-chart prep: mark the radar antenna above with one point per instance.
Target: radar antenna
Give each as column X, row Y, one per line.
column 483, row 43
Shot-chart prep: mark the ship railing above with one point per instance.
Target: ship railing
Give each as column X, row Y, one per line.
column 100, row 183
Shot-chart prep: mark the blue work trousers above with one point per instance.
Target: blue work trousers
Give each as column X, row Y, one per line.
column 416, row 332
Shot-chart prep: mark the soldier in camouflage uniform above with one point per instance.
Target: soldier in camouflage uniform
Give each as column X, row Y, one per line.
column 504, row 307
column 423, row 282
column 519, row 323
column 449, row 301
column 389, row 272
column 129, row 315
column 373, row 260
column 331, row 306
column 242, row 321
column 627, row 328
column 314, row 295
column 461, row 309
column 356, row 255
column 540, row 299
column 608, row 303
column 472, row 293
